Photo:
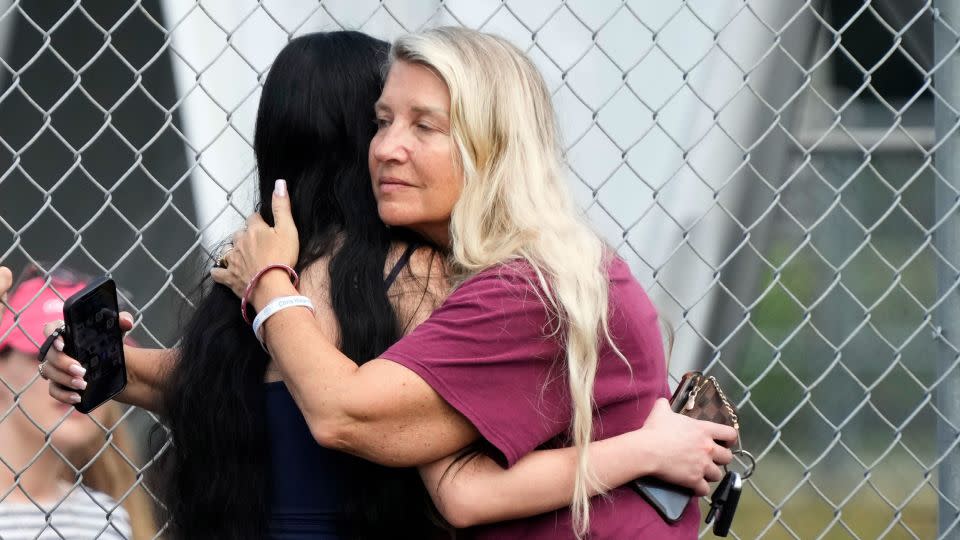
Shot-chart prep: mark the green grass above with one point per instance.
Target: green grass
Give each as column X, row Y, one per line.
column 807, row 514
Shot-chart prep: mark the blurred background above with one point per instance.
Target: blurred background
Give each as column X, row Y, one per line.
column 782, row 175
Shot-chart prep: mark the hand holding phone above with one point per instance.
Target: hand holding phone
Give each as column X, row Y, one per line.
column 93, row 337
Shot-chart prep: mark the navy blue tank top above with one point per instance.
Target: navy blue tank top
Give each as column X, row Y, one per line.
column 308, row 481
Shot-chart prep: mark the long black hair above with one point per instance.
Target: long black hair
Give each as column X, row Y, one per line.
column 314, row 125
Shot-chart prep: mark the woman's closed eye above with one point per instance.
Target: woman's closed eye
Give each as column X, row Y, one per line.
column 429, row 127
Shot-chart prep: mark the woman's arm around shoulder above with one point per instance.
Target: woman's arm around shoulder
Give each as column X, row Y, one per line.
column 380, row 411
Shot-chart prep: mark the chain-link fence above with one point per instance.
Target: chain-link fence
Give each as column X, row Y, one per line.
column 781, row 174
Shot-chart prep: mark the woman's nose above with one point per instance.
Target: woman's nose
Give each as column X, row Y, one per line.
column 389, row 144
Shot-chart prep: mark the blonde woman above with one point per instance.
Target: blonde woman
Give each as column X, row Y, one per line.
column 547, row 337
column 67, row 485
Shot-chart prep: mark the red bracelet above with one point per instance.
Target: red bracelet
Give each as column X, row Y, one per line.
column 253, row 283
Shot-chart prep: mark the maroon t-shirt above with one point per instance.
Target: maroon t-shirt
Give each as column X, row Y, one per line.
column 488, row 352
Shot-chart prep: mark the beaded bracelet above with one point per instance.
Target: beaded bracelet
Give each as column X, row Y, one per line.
column 253, row 283
column 277, row 304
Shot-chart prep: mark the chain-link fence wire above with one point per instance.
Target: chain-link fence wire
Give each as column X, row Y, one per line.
column 766, row 167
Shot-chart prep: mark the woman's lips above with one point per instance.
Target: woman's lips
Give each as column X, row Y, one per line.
column 390, row 185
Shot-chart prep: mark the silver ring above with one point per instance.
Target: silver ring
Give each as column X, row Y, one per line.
column 221, row 261
column 40, row 370
column 749, row 460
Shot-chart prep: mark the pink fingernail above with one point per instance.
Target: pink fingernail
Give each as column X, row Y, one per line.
column 58, row 344
column 77, row 369
column 280, row 188
column 74, row 398
column 79, row 384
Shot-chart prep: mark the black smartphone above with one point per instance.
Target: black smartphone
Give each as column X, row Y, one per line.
column 670, row 500
column 93, row 338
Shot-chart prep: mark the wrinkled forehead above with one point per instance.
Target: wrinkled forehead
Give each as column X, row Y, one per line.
column 416, row 87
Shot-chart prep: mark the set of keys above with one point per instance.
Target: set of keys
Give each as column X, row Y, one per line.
column 723, row 502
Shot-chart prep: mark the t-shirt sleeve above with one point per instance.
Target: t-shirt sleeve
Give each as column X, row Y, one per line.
column 489, row 351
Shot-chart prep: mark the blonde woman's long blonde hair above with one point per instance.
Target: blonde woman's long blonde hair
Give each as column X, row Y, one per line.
column 515, row 204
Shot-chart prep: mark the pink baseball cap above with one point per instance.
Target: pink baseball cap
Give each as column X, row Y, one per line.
column 34, row 305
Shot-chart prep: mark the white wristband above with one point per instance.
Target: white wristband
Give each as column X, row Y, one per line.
column 275, row 305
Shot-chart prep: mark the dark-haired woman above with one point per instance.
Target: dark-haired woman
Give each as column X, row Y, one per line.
column 244, row 463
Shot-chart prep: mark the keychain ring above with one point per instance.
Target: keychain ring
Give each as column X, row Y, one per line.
column 42, row 353
column 748, row 458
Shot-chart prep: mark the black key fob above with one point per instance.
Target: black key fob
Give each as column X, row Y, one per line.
column 723, row 503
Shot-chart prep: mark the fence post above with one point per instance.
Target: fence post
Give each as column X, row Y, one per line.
column 947, row 241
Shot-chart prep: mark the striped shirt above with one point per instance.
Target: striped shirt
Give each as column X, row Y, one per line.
column 82, row 515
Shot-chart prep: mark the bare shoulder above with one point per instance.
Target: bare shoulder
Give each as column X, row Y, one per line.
column 315, row 281
column 420, row 287
column 315, row 285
